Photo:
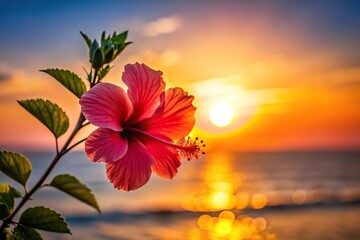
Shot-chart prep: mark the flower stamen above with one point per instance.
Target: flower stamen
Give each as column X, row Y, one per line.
column 186, row 147
column 191, row 144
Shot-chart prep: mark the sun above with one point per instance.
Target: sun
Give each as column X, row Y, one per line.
column 221, row 114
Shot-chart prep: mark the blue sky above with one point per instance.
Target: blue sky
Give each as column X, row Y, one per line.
column 294, row 58
column 44, row 27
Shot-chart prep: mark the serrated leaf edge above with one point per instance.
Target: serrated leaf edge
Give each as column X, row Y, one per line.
column 46, row 208
column 22, row 156
column 19, row 226
column 83, row 86
column 66, row 126
column 86, row 187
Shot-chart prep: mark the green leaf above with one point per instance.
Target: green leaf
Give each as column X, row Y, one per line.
column 44, row 219
column 21, row 232
column 15, row 166
column 4, row 210
column 50, row 114
column 69, row 80
column 103, row 72
column 121, row 47
column 103, row 36
column 75, row 188
column 9, row 236
column 106, row 44
column 7, row 195
column 15, row 193
column 120, row 38
column 6, row 200
column 109, row 55
column 6, row 235
column 93, row 48
column 86, row 38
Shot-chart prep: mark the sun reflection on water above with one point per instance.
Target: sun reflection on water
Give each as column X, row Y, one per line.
column 219, row 189
column 221, row 192
column 227, row 226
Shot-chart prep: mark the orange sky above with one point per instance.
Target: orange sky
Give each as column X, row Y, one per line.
column 290, row 86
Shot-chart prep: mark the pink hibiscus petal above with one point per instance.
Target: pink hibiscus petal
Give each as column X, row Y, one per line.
column 105, row 145
column 145, row 86
column 166, row 160
column 175, row 116
column 107, row 106
column 133, row 170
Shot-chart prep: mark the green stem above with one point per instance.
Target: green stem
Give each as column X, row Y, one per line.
column 56, row 159
column 93, row 83
column 57, row 145
column 80, row 124
column 75, row 144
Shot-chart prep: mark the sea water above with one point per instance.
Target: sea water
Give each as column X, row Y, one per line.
column 299, row 195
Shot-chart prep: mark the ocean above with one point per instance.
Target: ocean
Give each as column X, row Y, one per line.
column 262, row 196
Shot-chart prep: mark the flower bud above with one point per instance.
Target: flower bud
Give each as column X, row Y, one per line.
column 98, row 59
column 93, row 48
column 109, row 55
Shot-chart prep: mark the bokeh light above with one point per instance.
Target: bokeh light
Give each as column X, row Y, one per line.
column 228, row 226
column 299, row 197
column 258, row 201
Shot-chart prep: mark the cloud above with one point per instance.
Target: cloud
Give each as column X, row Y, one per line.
column 5, row 76
column 161, row 26
column 167, row 58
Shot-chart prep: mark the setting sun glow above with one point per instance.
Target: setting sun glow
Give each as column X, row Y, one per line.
column 221, row 114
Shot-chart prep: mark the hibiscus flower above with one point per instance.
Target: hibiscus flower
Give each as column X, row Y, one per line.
column 141, row 131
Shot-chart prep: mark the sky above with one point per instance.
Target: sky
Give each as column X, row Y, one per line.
column 288, row 72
